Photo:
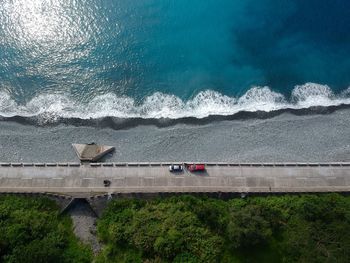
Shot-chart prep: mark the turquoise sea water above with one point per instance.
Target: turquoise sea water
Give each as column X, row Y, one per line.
column 167, row 58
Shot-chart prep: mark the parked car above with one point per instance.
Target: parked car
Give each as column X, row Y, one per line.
column 106, row 183
column 195, row 167
column 175, row 168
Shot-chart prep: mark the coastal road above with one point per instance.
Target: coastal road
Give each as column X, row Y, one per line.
column 86, row 180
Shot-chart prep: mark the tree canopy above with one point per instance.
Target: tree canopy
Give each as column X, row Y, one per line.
column 289, row 228
column 193, row 229
column 33, row 231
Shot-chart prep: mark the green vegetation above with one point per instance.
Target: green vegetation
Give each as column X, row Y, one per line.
column 306, row 228
column 32, row 231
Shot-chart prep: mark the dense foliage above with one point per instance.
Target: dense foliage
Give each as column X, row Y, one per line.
column 307, row 228
column 32, row 231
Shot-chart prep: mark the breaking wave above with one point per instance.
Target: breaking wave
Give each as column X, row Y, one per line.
column 53, row 107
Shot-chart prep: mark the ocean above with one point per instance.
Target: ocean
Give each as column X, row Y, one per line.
column 120, row 65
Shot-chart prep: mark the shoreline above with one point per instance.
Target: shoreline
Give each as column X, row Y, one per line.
column 117, row 123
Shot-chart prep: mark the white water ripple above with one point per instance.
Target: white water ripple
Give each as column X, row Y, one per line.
column 51, row 107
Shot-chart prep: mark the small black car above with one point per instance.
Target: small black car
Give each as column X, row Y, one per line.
column 106, row 183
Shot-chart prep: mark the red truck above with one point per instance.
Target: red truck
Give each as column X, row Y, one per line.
column 195, row 167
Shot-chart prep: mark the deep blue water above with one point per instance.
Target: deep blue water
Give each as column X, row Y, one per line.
column 78, row 58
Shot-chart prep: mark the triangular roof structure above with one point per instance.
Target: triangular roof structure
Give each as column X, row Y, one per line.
column 91, row 152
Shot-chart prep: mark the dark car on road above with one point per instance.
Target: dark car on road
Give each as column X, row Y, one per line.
column 106, row 183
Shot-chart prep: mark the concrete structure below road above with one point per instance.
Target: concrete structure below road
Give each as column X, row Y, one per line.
column 78, row 180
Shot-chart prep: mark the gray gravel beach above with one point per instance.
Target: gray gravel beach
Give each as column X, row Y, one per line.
column 287, row 137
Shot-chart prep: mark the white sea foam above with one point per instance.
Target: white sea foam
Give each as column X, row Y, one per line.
column 50, row 107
